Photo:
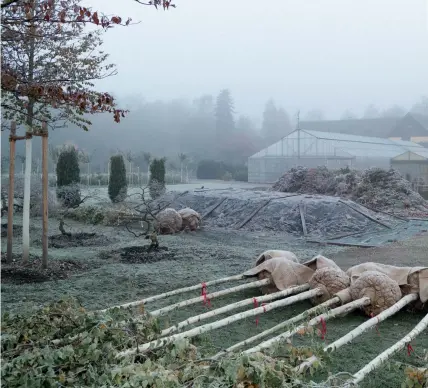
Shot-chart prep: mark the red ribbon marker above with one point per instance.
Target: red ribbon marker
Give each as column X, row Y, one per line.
column 409, row 349
column 207, row 302
column 323, row 328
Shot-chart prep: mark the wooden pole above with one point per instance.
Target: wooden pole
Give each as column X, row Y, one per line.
column 45, row 181
column 10, row 197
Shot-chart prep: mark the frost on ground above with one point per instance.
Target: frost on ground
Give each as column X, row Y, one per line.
column 273, row 212
column 375, row 188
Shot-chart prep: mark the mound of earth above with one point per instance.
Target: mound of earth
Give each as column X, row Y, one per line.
column 77, row 240
column 17, row 230
column 324, row 216
column 138, row 255
column 374, row 188
column 32, row 272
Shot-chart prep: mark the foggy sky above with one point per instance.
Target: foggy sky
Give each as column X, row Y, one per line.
column 308, row 54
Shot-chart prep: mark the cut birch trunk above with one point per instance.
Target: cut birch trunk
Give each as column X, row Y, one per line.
column 177, row 291
column 360, row 330
column 233, row 306
column 384, row 356
column 26, row 204
column 221, row 323
column 188, row 302
column 289, row 322
column 345, row 309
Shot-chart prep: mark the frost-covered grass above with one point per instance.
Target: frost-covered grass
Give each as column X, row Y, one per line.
column 206, row 255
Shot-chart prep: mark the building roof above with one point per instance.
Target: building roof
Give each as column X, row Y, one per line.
column 380, row 127
column 329, row 144
column 422, row 119
column 422, row 154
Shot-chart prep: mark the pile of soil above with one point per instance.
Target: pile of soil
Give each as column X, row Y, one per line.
column 375, row 188
column 32, row 272
column 77, row 240
column 17, row 230
column 262, row 211
column 138, row 255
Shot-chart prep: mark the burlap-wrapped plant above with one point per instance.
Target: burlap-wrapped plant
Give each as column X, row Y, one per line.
column 191, row 218
column 379, row 287
column 282, row 272
column 330, row 281
column 269, row 254
column 168, row 221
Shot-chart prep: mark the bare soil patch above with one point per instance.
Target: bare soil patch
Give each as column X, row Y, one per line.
column 19, row 273
column 82, row 239
column 138, row 255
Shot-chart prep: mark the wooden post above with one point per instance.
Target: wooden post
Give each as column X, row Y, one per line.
column 10, row 197
column 45, row 181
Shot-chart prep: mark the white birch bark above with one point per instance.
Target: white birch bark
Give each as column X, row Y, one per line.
column 199, row 299
column 233, row 306
column 177, row 291
column 360, row 330
column 218, row 324
column 384, row 356
column 345, row 309
column 289, row 322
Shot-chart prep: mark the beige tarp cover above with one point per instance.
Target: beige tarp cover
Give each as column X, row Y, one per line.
column 285, row 273
column 399, row 274
column 267, row 255
column 319, row 262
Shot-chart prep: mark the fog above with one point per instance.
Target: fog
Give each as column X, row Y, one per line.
column 327, row 59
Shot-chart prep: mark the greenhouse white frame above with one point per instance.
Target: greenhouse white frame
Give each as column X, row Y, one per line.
column 333, row 150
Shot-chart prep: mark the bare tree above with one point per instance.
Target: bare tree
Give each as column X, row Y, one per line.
column 182, row 157
column 130, row 157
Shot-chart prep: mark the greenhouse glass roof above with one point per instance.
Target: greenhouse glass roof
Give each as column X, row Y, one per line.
column 331, row 145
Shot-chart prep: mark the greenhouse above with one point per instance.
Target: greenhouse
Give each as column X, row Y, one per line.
column 333, row 150
column 414, row 166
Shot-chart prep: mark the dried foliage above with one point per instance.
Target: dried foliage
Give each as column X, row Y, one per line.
column 374, row 187
column 63, row 345
column 50, row 61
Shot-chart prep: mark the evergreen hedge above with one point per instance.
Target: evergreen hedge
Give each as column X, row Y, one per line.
column 68, row 177
column 117, row 186
column 157, row 178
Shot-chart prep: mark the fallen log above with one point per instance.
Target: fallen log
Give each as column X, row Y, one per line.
column 215, row 206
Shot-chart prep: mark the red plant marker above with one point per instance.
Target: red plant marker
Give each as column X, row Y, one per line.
column 409, row 349
column 207, row 302
column 323, row 328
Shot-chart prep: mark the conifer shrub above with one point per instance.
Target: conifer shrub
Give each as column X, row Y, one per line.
column 68, row 177
column 157, row 178
column 117, row 186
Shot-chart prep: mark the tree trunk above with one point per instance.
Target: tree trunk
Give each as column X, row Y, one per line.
column 89, row 169
column 181, row 172
column 28, row 156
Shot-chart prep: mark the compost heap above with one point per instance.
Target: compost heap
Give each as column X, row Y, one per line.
column 259, row 211
column 375, row 188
